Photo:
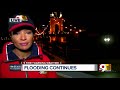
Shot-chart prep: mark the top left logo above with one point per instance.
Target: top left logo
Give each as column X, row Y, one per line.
column 18, row 18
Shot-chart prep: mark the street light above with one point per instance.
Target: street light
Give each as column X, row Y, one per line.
column 76, row 32
column 107, row 39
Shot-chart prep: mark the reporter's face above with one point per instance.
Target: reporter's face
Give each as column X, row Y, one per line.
column 22, row 39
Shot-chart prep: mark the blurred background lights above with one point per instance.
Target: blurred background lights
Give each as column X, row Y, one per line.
column 107, row 39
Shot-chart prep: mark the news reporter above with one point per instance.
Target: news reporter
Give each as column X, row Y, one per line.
column 22, row 48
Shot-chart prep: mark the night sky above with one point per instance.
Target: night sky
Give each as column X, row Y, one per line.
column 97, row 21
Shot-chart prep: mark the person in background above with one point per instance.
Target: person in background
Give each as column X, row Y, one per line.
column 22, row 48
